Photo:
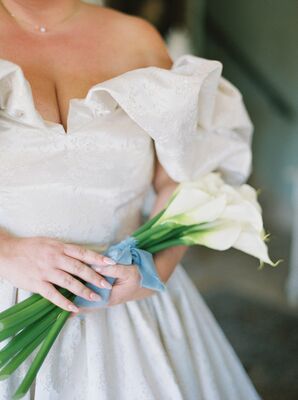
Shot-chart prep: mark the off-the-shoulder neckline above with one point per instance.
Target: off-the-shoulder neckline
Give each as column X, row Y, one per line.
column 106, row 80
column 60, row 125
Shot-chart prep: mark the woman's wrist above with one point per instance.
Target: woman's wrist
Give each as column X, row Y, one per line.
column 166, row 261
column 5, row 240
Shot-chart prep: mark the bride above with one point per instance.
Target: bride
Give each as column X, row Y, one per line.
column 92, row 113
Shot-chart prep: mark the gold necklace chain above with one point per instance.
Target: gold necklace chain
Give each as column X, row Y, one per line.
column 42, row 28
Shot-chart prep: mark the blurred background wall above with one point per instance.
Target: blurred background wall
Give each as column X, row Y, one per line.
column 256, row 41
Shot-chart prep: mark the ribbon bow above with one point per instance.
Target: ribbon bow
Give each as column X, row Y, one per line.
column 126, row 252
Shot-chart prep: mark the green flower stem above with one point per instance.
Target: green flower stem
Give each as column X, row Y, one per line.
column 41, row 355
column 178, row 233
column 148, row 224
column 30, row 310
column 171, row 233
column 34, row 317
column 148, row 233
column 179, row 237
column 160, row 233
column 17, row 318
column 164, row 245
column 199, row 227
column 20, row 306
column 26, row 336
column 151, row 239
column 21, row 356
column 5, row 334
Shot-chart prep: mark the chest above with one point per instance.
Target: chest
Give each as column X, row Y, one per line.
column 59, row 71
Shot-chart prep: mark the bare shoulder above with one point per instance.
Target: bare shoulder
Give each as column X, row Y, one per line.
column 139, row 36
column 148, row 41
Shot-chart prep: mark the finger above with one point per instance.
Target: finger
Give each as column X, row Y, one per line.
column 49, row 292
column 86, row 255
column 88, row 310
column 81, row 270
column 70, row 283
column 115, row 271
column 117, row 296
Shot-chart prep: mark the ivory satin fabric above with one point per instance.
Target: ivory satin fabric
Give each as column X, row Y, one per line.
column 88, row 186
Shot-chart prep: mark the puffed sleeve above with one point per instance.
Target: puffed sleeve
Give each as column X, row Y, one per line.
column 196, row 118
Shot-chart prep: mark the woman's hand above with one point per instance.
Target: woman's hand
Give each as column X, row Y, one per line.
column 37, row 263
column 126, row 287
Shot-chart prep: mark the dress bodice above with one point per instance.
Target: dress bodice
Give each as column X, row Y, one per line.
column 88, row 185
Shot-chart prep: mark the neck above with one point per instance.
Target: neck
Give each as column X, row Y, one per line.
column 45, row 11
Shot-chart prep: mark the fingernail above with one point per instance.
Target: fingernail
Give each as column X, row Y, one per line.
column 106, row 284
column 109, row 261
column 95, row 296
column 73, row 308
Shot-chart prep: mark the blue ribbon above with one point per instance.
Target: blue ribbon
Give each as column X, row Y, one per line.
column 126, row 252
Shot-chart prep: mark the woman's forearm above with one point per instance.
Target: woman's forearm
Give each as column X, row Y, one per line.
column 4, row 235
column 166, row 260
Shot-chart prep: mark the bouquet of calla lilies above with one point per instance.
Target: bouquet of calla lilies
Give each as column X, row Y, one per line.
column 206, row 212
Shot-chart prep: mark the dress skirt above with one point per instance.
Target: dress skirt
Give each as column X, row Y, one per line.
column 164, row 347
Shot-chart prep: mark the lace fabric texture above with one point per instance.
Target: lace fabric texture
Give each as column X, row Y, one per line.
column 88, row 186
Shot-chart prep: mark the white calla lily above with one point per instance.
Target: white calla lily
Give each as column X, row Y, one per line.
column 245, row 213
column 186, row 200
column 208, row 212
column 252, row 243
column 232, row 214
column 221, row 236
column 250, row 194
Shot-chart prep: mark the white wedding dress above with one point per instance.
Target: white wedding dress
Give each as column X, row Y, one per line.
column 88, row 186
